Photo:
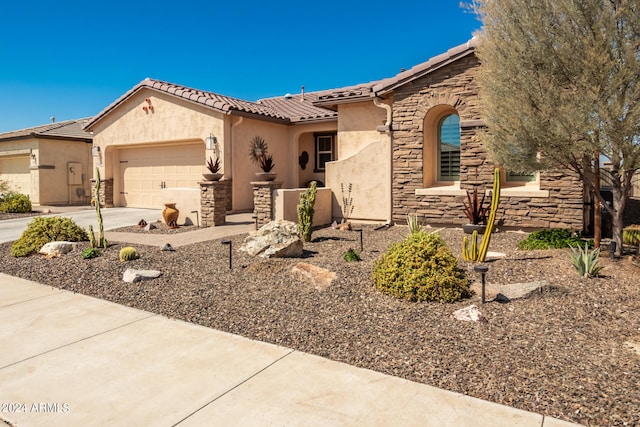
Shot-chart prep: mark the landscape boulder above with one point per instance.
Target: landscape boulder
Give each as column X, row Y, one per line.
column 276, row 239
column 318, row 277
column 54, row 249
column 469, row 314
column 132, row 275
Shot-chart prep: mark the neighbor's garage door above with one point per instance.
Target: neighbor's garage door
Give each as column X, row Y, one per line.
column 15, row 171
column 145, row 171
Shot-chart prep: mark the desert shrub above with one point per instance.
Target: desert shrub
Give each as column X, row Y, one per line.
column 90, row 253
column 351, row 255
column 15, row 203
column 551, row 239
column 43, row 230
column 128, row 253
column 631, row 235
column 585, row 262
column 421, row 268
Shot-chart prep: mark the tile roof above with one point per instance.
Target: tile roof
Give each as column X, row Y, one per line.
column 69, row 129
column 281, row 109
column 384, row 86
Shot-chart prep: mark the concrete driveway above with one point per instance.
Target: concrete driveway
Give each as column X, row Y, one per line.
column 11, row 229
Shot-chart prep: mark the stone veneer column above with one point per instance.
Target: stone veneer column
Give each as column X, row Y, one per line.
column 263, row 200
column 213, row 202
column 106, row 192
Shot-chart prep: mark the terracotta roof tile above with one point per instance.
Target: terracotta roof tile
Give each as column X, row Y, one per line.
column 69, row 129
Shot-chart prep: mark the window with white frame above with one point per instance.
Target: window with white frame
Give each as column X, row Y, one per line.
column 325, row 150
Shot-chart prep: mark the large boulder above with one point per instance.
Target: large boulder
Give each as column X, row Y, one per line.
column 54, row 249
column 277, row 239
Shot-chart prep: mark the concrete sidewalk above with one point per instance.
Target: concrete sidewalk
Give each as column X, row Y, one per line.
column 72, row 360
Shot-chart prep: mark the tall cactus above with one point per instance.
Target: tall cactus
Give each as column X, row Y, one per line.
column 102, row 241
column 305, row 212
column 474, row 253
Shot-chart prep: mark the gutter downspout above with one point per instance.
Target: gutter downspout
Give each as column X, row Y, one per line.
column 231, row 146
column 386, row 128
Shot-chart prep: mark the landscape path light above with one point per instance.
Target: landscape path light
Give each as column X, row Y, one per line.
column 360, row 231
column 228, row 242
column 482, row 269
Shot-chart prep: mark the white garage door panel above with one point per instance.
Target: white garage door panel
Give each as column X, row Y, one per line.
column 145, row 170
column 15, row 171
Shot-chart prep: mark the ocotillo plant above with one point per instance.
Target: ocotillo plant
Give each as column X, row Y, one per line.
column 102, row 241
column 479, row 254
column 305, row 212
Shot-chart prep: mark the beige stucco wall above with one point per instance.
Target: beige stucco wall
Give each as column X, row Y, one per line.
column 171, row 120
column 357, row 124
column 286, row 205
column 49, row 176
column 369, row 173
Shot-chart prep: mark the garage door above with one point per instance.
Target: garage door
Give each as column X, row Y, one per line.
column 145, row 171
column 15, row 171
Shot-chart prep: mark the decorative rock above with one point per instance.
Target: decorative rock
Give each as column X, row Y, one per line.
column 633, row 346
column 345, row 226
column 167, row 247
column 149, row 227
column 276, row 239
column 142, row 223
column 132, row 276
column 54, row 249
column 513, row 291
column 469, row 314
column 318, row 277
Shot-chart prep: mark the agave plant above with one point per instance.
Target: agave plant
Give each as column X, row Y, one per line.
column 585, row 262
column 413, row 223
column 474, row 209
column 213, row 166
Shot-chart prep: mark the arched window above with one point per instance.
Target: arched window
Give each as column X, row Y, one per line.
column 449, row 148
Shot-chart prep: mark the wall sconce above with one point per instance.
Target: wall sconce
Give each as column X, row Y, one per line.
column 210, row 142
column 95, row 151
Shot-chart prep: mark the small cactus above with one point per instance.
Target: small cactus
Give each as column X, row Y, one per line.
column 128, row 253
column 305, row 212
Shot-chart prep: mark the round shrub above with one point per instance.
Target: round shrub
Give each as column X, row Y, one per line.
column 421, row 268
column 43, row 230
column 15, row 203
column 554, row 238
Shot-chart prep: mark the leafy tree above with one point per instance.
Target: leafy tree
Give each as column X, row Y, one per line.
column 560, row 87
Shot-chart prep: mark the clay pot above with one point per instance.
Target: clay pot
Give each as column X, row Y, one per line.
column 212, row 176
column 170, row 214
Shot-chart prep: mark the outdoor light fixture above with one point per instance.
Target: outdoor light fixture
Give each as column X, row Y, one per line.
column 95, row 151
column 228, row 242
column 360, row 231
column 482, row 269
column 210, row 142
column 197, row 218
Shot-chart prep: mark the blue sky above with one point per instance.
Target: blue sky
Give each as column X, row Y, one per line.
column 71, row 59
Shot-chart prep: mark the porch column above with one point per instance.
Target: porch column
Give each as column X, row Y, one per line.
column 106, row 192
column 213, row 202
column 263, row 200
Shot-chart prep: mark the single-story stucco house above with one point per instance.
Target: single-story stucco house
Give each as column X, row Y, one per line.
column 52, row 163
column 403, row 145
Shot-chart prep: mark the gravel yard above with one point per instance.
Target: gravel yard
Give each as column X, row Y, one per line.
column 564, row 352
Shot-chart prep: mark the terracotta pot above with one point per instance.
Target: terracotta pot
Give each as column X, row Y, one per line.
column 266, row 176
column 212, row 176
column 170, row 214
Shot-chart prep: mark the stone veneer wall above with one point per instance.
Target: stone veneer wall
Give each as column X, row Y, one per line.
column 455, row 86
column 213, row 202
column 263, row 201
column 106, row 192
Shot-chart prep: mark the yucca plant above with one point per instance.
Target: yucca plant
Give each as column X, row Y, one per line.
column 585, row 262
column 413, row 223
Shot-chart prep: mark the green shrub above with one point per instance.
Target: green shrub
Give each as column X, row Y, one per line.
column 351, row 255
column 585, row 262
column 43, row 230
column 90, row 253
column 421, row 268
column 555, row 238
column 15, row 203
column 631, row 235
column 128, row 253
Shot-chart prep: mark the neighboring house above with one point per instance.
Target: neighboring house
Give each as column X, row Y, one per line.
column 52, row 164
column 407, row 144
